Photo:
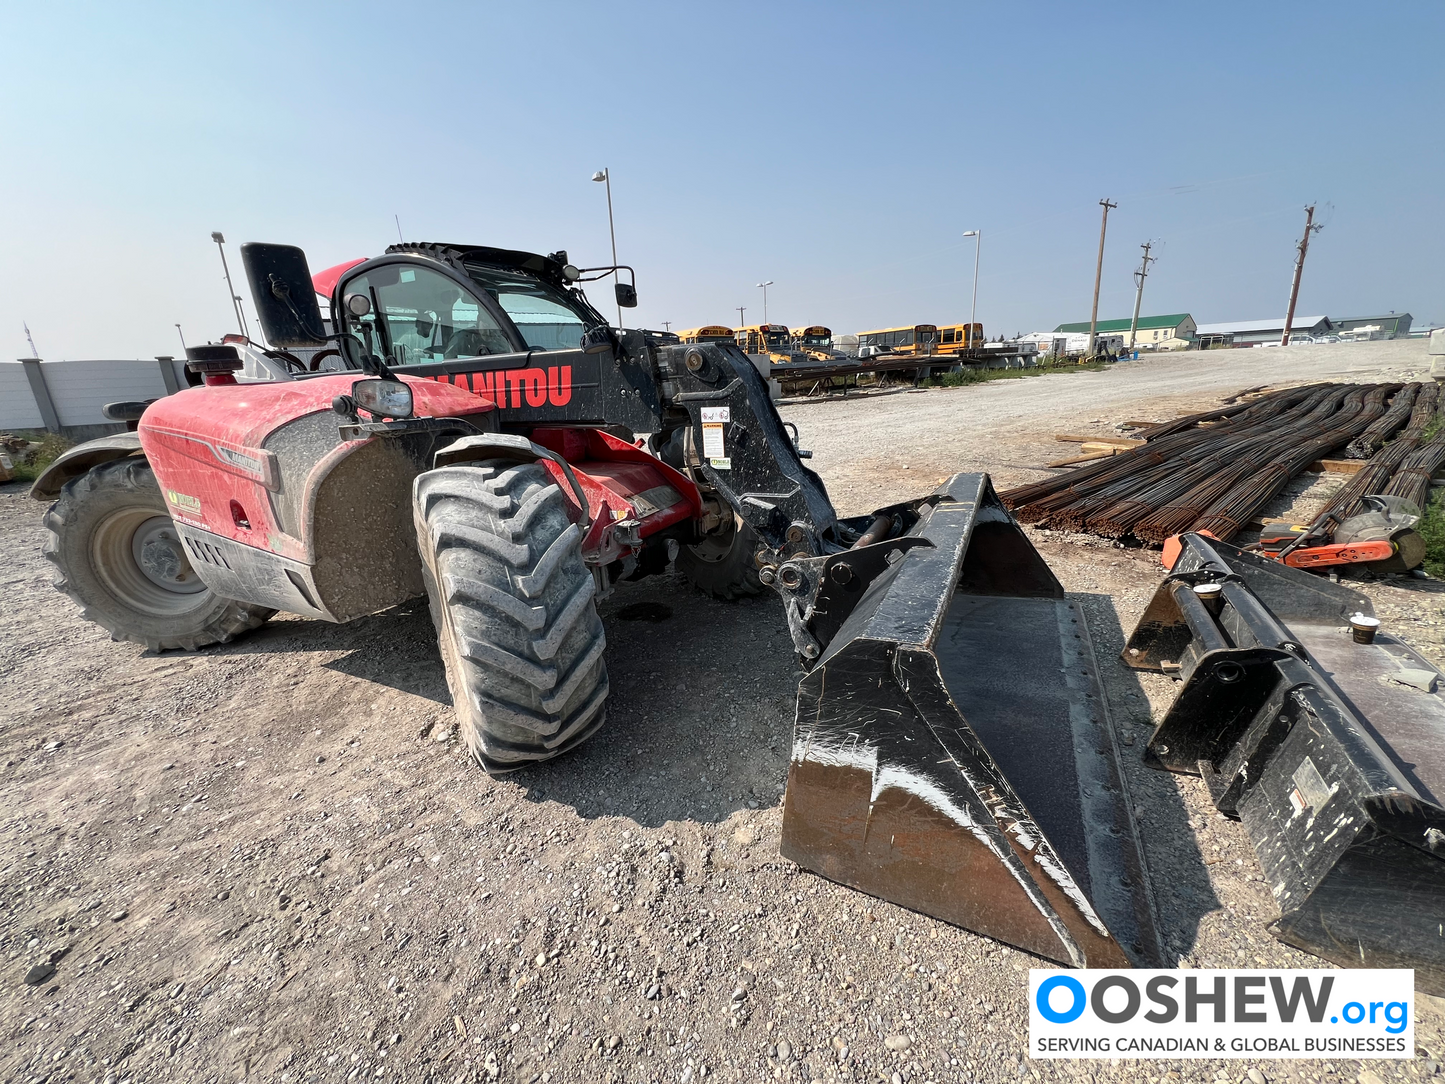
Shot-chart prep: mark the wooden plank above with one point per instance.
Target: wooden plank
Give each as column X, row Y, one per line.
column 1085, row 458
column 1337, row 466
column 1113, row 442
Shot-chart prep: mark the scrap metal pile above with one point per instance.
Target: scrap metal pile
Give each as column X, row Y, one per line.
column 1215, row 471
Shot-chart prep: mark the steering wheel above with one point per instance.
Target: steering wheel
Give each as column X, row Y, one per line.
column 467, row 342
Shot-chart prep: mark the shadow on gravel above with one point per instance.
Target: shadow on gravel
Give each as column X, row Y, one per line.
column 1182, row 891
column 700, row 715
column 396, row 648
column 700, row 712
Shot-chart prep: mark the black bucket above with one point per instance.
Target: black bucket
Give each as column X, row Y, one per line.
column 1331, row 751
column 953, row 751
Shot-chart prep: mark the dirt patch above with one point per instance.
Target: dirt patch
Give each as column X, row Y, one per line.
column 270, row 860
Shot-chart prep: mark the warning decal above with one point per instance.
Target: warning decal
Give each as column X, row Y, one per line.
column 714, row 421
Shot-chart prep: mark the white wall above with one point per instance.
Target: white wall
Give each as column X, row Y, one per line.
column 80, row 388
column 17, row 404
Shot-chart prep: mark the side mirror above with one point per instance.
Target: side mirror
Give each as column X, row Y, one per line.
column 626, row 295
column 358, row 304
column 383, row 398
column 596, row 340
column 283, row 294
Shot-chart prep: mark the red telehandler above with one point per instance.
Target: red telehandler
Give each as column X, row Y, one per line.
column 494, row 444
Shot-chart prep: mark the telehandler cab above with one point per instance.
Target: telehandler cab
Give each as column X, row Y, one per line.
column 498, row 447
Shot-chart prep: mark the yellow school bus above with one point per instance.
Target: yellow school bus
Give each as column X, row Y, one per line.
column 956, row 338
column 765, row 339
column 710, row 333
column 918, row 339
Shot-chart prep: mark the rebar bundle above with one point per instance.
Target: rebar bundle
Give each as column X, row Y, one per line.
column 1383, row 466
column 1412, row 478
column 1372, row 439
column 1238, row 506
column 1216, row 469
column 1041, row 500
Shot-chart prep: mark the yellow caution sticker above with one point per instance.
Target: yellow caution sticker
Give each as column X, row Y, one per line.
column 184, row 501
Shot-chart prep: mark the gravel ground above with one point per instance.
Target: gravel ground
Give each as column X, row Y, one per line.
column 272, row 861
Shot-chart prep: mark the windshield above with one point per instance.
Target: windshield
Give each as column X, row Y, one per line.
column 547, row 317
column 777, row 338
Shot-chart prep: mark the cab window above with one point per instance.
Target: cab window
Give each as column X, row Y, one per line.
column 419, row 315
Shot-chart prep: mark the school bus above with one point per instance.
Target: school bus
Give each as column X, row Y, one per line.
column 956, row 338
column 814, row 341
column 765, row 339
column 710, row 333
column 918, row 339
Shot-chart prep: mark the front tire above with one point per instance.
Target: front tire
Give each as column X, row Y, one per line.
column 515, row 610
column 723, row 564
column 119, row 557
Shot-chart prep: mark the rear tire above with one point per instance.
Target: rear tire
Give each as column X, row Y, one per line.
column 117, row 554
column 515, row 610
column 722, row 563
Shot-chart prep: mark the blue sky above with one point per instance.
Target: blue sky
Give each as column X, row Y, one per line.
column 837, row 149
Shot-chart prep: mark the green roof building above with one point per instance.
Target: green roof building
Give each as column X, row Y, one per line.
column 1172, row 332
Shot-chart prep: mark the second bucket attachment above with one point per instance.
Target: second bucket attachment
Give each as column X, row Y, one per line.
column 1331, row 751
column 953, row 751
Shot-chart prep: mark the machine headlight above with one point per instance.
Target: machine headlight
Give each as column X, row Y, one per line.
column 383, row 398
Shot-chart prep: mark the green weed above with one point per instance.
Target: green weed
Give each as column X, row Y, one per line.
column 51, row 445
column 1432, row 530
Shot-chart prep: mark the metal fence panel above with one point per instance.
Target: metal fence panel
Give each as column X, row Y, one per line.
column 80, row 388
column 17, row 403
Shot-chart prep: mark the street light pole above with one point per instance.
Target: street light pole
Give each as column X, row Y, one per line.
column 605, row 176
column 220, row 240
column 977, row 236
column 764, row 286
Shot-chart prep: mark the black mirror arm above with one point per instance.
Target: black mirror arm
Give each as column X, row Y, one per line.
column 603, row 272
column 370, row 363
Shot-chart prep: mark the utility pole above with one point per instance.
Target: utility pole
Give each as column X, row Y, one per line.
column 1139, row 277
column 741, row 309
column 667, row 325
column 1299, row 266
column 235, row 298
column 1098, row 276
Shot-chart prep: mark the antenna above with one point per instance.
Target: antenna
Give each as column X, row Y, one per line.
column 34, row 353
column 220, row 240
column 399, row 237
